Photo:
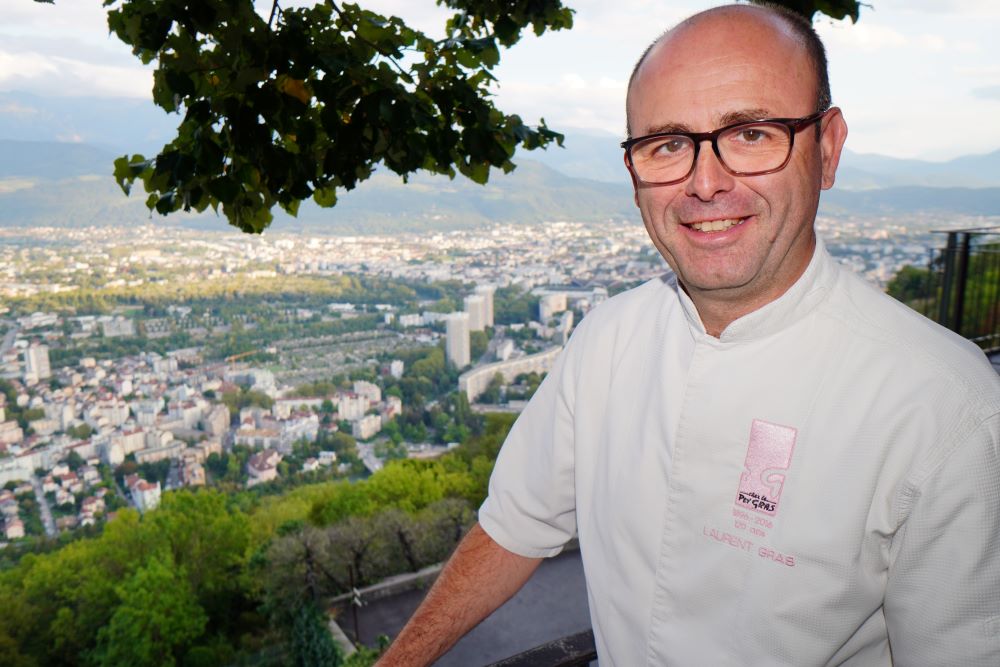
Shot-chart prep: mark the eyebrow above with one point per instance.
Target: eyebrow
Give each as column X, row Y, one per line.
column 728, row 118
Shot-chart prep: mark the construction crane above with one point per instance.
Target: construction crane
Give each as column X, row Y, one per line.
column 230, row 359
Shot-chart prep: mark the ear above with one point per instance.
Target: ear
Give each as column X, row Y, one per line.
column 635, row 182
column 831, row 143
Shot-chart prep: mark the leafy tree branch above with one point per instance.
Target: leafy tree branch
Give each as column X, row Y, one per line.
column 311, row 101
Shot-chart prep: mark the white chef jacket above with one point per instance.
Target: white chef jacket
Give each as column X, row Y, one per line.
column 820, row 485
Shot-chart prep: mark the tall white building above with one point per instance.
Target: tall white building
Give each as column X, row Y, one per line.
column 563, row 329
column 475, row 307
column 351, row 406
column 486, row 291
column 36, row 363
column 366, row 427
column 368, row 390
column 549, row 305
column 456, row 348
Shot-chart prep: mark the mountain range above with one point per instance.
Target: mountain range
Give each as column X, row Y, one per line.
column 44, row 181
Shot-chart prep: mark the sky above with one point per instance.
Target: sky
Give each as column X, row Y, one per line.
column 915, row 78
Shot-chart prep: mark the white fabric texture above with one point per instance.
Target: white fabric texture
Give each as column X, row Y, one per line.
column 868, row 436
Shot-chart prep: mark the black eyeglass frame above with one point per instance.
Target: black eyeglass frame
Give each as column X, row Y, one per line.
column 793, row 125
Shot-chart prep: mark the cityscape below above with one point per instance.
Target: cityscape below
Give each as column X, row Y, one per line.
column 73, row 396
column 339, row 393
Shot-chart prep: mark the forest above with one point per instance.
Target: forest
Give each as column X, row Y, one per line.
column 210, row 578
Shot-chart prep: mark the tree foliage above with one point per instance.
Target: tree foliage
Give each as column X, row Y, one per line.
column 312, row 644
column 206, row 577
column 157, row 618
column 910, row 283
column 309, row 101
column 838, row 9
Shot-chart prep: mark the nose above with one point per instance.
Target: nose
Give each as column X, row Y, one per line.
column 709, row 177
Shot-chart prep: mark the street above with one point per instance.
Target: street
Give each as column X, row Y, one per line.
column 43, row 508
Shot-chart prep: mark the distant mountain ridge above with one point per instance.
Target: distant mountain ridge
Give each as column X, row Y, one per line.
column 70, row 184
column 51, row 160
column 117, row 124
column 56, row 184
column 859, row 171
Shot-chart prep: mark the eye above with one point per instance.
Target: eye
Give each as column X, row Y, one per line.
column 752, row 135
column 668, row 147
column 672, row 145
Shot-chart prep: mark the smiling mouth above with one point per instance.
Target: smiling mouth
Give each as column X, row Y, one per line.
column 711, row 226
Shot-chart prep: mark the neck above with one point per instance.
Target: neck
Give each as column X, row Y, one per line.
column 721, row 307
column 717, row 313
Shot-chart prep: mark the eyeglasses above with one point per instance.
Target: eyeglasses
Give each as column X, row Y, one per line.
column 744, row 149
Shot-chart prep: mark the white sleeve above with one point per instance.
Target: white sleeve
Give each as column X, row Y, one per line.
column 531, row 506
column 942, row 601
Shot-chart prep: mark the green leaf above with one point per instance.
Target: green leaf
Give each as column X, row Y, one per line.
column 478, row 172
column 325, row 197
column 224, row 189
column 291, row 207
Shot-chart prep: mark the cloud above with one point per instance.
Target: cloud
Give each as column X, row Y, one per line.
column 987, row 93
column 596, row 103
column 573, row 81
column 8, row 185
column 59, row 76
column 979, row 8
column 80, row 19
column 934, row 43
column 14, row 66
column 17, row 109
column 863, row 36
column 979, row 71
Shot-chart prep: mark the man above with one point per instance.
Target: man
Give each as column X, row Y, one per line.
column 766, row 461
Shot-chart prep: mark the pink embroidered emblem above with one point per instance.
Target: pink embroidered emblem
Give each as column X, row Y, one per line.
column 769, row 455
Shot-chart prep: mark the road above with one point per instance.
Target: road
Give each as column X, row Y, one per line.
column 8, row 340
column 173, row 480
column 43, row 508
column 366, row 452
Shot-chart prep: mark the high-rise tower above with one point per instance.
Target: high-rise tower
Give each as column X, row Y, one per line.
column 457, row 349
column 475, row 306
column 36, row 362
column 486, row 291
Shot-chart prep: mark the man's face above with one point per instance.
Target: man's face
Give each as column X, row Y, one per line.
column 726, row 68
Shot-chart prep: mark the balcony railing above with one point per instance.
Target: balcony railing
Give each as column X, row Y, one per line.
column 961, row 288
column 573, row 651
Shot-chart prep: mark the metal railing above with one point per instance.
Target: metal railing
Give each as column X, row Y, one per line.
column 961, row 287
column 573, row 651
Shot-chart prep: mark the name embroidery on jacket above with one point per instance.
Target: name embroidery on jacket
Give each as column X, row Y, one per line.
column 769, row 456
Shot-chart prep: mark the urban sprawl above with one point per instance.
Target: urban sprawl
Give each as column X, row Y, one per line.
column 82, row 415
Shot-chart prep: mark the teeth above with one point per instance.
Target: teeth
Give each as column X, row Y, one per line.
column 716, row 225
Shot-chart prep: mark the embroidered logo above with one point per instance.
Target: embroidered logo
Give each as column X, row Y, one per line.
column 769, row 455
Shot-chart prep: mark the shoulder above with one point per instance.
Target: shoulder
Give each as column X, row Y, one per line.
column 620, row 327
column 626, row 309
column 917, row 349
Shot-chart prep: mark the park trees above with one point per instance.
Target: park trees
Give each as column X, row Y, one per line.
column 156, row 619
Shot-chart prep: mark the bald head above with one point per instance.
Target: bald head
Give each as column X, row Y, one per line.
column 768, row 26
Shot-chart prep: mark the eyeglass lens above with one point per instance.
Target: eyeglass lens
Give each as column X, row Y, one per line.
column 744, row 149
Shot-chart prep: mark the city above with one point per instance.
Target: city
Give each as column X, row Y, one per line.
column 82, row 412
